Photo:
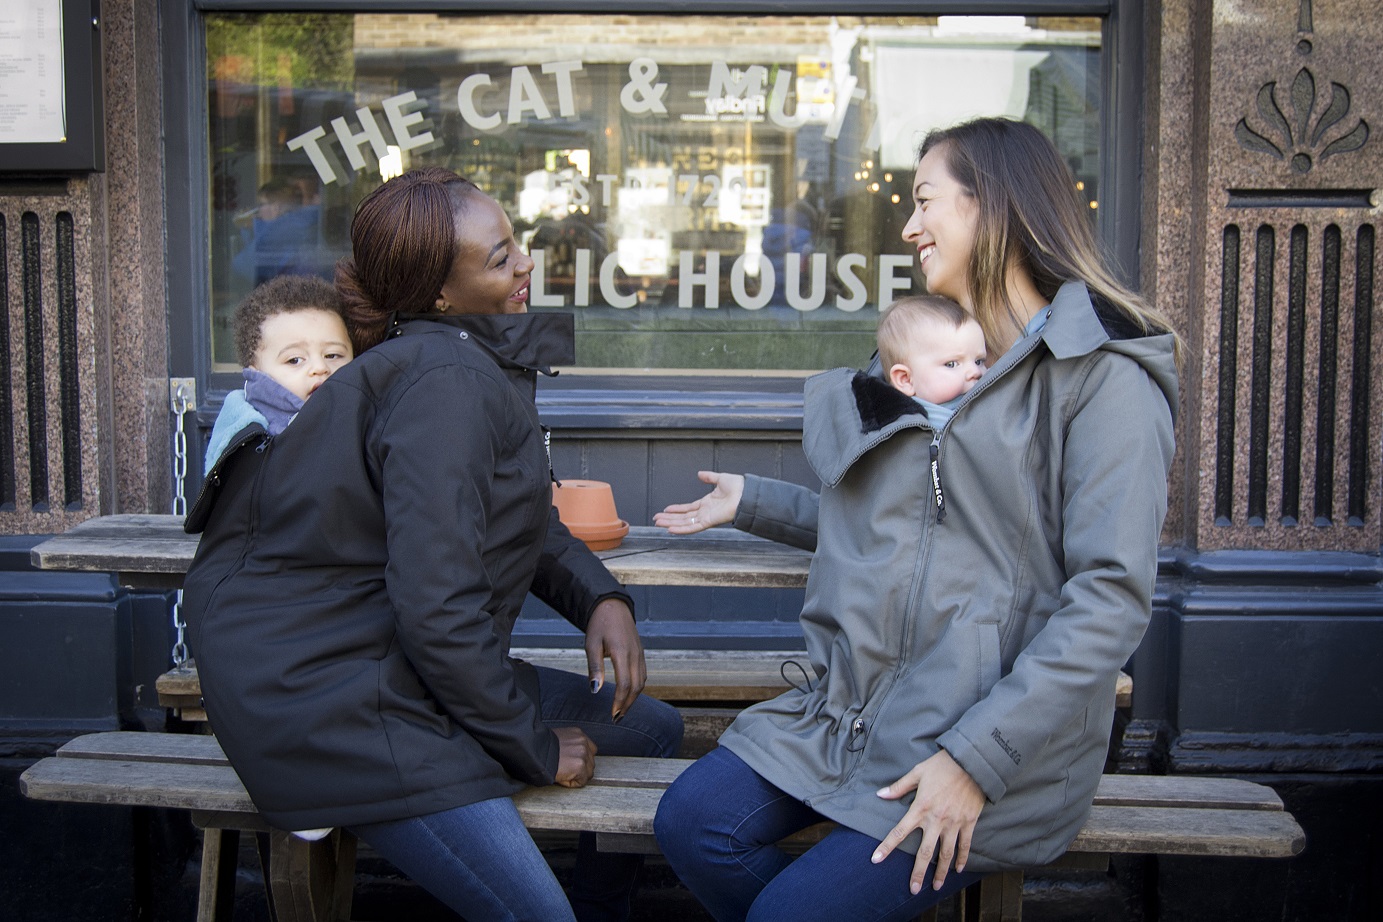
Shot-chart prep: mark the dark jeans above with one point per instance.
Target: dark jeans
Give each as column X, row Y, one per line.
column 717, row 825
column 603, row 882
column 481, row 861
column 478, row 859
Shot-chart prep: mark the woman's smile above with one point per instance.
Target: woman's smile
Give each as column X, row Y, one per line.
column 942, row 227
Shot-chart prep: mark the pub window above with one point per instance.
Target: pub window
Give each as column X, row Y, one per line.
column 708, row 194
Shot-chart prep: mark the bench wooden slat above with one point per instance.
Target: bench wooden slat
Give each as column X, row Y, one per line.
column 216, row 788
column 200, row 749
column 596, row 808
column 1183, row 831
column 673, row 675
column 1199, row 791
column 141, row 784
column 691, row 675
column 610, row 808
column 129, row 746
column 629, row 771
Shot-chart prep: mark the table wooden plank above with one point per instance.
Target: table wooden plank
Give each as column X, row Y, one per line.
column 149, row 548
column 182, row 681
column 720, row 557
column 153, row 551
column 136, row 544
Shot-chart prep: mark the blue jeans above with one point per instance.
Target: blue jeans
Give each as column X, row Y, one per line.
column 603, row 882
column 480, row 860
column 717, row 825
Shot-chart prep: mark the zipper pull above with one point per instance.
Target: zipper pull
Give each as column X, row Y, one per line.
column 547, row 447
column 936, row 479
column 856, row 742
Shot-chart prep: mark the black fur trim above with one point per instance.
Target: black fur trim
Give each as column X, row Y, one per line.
column 879, row 404
column 1116, row 324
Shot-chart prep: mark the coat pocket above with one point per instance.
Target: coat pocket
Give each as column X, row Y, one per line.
column 990, row 660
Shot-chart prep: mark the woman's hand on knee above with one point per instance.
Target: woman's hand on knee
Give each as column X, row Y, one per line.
column 575, row 758
column 946, row 807
column 715, row 508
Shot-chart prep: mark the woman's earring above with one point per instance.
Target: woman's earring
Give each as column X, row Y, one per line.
column 442, row 306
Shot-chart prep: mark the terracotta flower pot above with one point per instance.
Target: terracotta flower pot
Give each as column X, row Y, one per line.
column 587, row 508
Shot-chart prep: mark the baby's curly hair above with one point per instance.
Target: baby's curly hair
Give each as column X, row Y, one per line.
column 286, row 294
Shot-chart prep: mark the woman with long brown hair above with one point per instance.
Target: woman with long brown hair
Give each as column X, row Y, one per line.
column 359, row 575
column 976, row 586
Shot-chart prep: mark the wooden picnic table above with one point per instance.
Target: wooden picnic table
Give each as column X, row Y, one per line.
column 153, row 552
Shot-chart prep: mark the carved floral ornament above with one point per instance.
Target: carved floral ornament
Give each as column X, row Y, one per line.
column 1295, row 140
column 1301, row 136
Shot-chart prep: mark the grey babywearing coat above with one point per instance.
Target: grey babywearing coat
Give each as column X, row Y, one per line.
column 987, row 609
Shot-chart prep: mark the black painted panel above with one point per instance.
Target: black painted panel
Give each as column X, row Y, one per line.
column 1311, row 672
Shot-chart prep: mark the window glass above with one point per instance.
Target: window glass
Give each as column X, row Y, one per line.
column 702, row 192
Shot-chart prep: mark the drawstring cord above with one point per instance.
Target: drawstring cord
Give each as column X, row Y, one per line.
column 806, row 676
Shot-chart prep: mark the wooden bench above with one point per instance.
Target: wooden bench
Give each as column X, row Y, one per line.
column 709, row 687
column 1137, row 814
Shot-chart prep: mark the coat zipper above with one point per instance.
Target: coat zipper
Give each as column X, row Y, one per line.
column 925, row 559
column 213, row 476
column 935, row 450
column 547, row 447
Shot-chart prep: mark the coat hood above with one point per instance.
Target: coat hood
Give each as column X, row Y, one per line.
column 237, row 414
column 1080, row 325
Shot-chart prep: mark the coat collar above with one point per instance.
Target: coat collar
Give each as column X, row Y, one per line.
column 1074, row 327
column 531, row 341
column 1080, row 325
column 848, row 412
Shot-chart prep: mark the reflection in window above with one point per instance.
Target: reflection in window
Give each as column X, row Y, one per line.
column 710, row 192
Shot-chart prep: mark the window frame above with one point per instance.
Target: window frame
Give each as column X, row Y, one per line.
column 595, row 402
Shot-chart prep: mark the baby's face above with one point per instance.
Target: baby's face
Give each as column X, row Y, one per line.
column 300, row 349
column 942, row 362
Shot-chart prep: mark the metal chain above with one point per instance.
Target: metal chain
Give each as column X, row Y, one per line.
column 183, row 399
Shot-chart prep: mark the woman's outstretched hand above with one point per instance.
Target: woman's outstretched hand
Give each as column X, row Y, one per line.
column 575, row 758
column 945, row 809
column 715, row 508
